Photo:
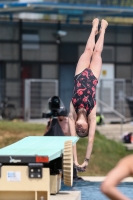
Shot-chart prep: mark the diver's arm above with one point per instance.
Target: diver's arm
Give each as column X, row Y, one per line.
column 91, row 135
column 71, row 124
column 72, row 131
column 71, row 120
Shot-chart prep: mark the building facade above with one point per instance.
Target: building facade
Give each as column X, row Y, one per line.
column 34, row 50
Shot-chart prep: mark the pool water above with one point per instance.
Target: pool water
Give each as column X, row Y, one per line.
column 91, row 190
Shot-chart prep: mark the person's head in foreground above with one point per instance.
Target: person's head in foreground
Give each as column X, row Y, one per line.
column 81, row 123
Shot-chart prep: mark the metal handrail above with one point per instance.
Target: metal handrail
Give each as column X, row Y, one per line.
column 112, row 109
column 122, row 117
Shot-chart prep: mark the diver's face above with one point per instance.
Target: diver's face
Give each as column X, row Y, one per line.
column 81, row 128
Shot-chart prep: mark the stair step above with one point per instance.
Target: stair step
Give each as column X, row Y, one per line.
column 128, row 146
column 114, row 132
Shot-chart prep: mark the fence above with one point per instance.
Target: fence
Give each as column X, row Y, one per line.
column 112, row 92
column 37, row 92
column 115, row 93
column 13, row 90
column 30, row 98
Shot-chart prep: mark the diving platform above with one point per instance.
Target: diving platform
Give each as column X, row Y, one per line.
column 31, row 169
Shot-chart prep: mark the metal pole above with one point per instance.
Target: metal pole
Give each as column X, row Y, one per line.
column 100, row 91
column 121, row 129
column 27, row 95
column 124, row 92
column 20, row 63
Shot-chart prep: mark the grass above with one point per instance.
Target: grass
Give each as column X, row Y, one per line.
column 105, row 155
column 11, row 132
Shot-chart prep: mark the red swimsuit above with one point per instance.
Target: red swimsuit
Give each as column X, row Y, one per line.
column 84, row 91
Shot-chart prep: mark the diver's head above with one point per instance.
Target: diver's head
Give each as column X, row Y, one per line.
column 81, row 124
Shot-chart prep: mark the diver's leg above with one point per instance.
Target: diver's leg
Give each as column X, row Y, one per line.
column 84, row 60
column 96, row 62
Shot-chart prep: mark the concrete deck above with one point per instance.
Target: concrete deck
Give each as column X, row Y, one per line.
column 66, row 195
column 76, row 195
column 101, row 178
column 38, row 121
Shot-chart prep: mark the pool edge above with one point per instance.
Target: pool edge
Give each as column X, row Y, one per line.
column 101, row 178
column 66, row 195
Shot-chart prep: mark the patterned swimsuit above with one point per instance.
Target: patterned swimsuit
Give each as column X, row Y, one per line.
column 84, row 91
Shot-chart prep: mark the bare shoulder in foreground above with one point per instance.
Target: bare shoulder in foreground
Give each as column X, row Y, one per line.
column 123, row 169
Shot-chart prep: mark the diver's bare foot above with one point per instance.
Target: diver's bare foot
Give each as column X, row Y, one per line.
column 95, row 23
column 104, row 25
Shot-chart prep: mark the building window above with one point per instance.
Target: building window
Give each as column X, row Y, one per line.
column 30, row 36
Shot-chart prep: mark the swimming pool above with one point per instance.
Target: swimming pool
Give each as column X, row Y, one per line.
column 91, row 190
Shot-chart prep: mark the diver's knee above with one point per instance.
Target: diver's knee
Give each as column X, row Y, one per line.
column 88, row 50
column 97, row 52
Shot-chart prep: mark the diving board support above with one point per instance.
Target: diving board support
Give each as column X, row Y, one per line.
column 68, row 163
column 15, row 184
column 31, row 168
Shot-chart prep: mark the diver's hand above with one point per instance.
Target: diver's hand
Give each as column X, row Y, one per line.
column 84, row 165
column 76, row 163
column 78, row 168
column 81, row 168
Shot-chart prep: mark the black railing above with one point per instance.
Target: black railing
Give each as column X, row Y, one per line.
column 100, row 2
column 93, row 2
column 4, row 1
